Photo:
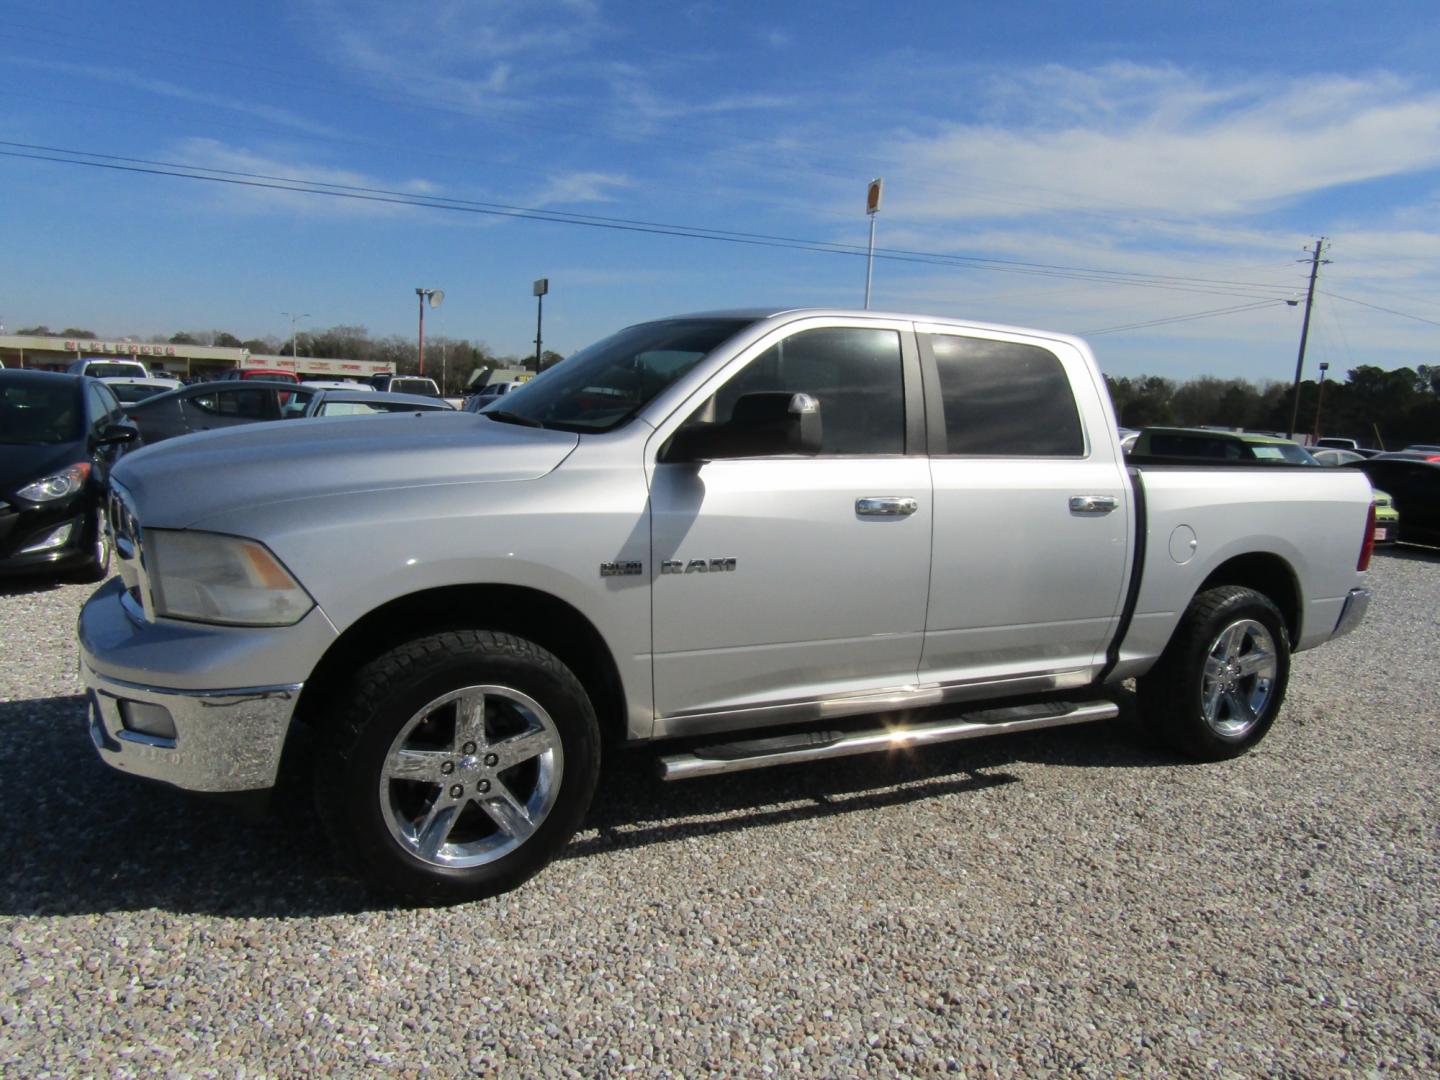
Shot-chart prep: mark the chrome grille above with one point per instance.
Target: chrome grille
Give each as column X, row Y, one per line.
column 125, row 531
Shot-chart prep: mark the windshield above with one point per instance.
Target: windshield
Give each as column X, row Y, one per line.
column 31, row 414
column 604, row 385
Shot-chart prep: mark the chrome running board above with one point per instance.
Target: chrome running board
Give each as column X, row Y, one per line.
column 817, row 745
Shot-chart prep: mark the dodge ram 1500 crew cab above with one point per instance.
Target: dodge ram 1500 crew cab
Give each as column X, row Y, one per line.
column 697, row 528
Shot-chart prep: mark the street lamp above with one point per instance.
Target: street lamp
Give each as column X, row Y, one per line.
column 294, row 343
column 435, row 297
column 872, row 207
column 540, row 288
column 1319, row 400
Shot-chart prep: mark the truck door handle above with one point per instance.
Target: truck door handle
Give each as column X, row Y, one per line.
column 1093, row 504
column 886, row 506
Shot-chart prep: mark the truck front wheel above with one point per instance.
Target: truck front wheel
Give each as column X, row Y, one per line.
column 459, row 766
column 1220, row 683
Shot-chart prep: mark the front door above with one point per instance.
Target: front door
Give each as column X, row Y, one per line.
column 786, row 581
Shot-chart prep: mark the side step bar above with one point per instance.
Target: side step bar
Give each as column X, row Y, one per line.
column 818, row 745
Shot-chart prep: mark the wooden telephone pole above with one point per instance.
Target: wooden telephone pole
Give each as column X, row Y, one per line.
column 1315, row 261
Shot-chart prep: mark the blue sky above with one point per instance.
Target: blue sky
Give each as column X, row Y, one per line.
column 1075, row 167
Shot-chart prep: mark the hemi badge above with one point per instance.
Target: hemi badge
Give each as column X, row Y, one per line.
column 621, row 569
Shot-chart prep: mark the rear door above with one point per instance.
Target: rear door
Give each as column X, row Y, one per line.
column 1031, row 517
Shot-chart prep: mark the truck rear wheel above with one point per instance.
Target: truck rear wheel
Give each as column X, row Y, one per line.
column 1220, row 683
column 459, row 766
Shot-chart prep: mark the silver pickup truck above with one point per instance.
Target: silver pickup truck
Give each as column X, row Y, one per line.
column 760, row 537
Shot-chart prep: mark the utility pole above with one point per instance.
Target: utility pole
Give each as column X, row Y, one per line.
column 1315, row 261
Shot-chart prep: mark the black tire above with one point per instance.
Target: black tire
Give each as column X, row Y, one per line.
column 96, row 567
column 417, row 711
column 1211, row 696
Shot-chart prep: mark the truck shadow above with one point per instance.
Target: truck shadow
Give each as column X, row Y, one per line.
column 96, row 841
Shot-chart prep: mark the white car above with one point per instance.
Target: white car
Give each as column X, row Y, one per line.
column 337, row 384
column 130, row 389
column 101, row 367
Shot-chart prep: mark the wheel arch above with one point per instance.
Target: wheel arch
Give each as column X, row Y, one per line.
column 530, row 613
column 1268, row 574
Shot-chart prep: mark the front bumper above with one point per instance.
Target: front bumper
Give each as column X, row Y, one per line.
column 205, row 708
column 215, row 740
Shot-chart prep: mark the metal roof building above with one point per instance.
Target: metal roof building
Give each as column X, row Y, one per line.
column 178, row 361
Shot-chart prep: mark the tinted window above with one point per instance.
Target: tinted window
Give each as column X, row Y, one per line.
column 1002, row 398
column 32, row 412
column 103, row 370
column 101, row 404
column 854, row 373
column 247, row 404
column 1165, row 444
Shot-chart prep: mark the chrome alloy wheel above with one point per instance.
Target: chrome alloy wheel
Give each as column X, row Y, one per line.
column 1239, row 678
column 471, row 776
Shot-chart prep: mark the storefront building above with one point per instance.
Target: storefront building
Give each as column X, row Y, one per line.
column 190, row 362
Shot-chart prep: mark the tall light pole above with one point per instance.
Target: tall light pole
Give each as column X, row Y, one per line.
column 294, row 318
column 1319, row 402
column 540, row 288
column 435, row 297
column 872, row 207
column 1315, row 261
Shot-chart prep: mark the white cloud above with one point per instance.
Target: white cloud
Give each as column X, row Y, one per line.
column 211, row 154
column 165, row 88
column 581, row 187
column 466, row 57
column 1159, row 141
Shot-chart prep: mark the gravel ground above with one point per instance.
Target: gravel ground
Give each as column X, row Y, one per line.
column 1069, row 901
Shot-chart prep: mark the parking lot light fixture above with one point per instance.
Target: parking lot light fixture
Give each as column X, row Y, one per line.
column 434, row 297
column 294, row 341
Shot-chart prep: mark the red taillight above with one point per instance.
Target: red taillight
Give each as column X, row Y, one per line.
column 1363, row 563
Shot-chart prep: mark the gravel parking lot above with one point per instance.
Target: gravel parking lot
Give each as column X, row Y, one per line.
column 1075, row 900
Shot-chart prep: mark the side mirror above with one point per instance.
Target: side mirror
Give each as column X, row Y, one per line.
column 761, row 425
column 117, row 435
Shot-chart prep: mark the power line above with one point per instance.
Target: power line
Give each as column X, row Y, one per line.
column 1377, row 307
column 515, row 104
column 383, row 195
column 1184, row 318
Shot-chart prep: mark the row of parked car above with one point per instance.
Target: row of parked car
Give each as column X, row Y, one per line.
column 1406, row 482
column 60, row 434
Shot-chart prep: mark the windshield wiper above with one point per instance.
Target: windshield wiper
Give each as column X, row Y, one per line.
column 511, row 418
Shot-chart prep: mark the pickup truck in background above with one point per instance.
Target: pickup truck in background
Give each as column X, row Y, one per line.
column 759, row 537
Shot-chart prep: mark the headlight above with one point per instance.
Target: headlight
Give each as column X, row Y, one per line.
column 209, row 577
column 61, row 485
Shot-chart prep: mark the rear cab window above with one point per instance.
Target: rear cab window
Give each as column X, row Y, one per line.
column 1004, row 399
